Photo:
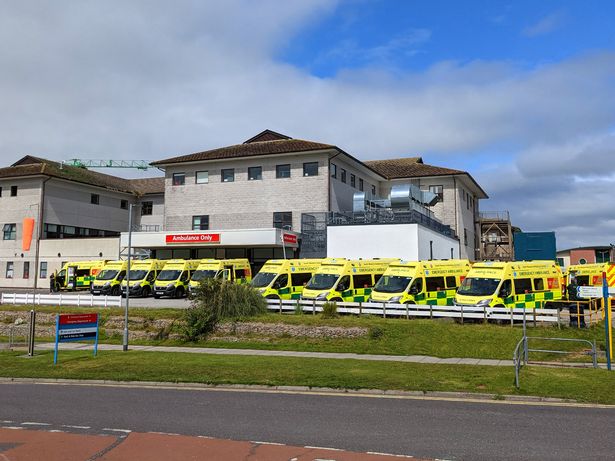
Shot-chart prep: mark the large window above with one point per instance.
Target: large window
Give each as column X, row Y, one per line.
column 200, row 222
column 43, row 270
column 147, row 208
column 439, row 191
column 13, row 191
column 343, row 175
column 361, row 184
column 26, row 269
column 353, row 180
column 58, row 231
column 523, row 286
column 283, row 219
column 333, row 170
column 201, row 177
column 373, row 190
column 255, row 173
column 95, row 199
column 124, row 204
column 179, row 179
column 9, row 269
column 228, row 174
column 310, row 169
column 282, row 171
column 9, row 232
column 0, row 191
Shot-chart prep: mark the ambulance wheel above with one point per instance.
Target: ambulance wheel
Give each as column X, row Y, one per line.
column 409, row 302
column 145, row 293
column 272, row 297
column 179, row 293
column 336, row 300
column 549, row 306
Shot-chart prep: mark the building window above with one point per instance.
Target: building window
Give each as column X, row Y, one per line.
column 179, row 179
column 343, row 175
column 147, row 208
column 439, row 191
column 465, row 237
column 373, row 190
column 200, row 222
column 13, row 191
column 9, row 269
column 9, row 232
column 255, row 173
column 582, row 261
column 201, row 177
column 43, row 270
column 94, row 199
column 282, row 171
column 334, row 170
column 228, row 175
column 361, row 184
column 124, row 204
column 26, row 269
column 0, row 191
column 353, row 180
column 310, row 169
column 283, row 220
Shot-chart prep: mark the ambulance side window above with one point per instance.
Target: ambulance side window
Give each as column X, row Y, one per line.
column 582, row 280
column 151, row 276
column 451, row 282
column 435, row 283
column 505, row 289
column 376, row 278
column 539, row 285
column 121, row 275
column 299, row 280
column 362, row 281
column 417, row 286
column 183, row 277
column 523, row 286
column 281, row 281
column 344, row 283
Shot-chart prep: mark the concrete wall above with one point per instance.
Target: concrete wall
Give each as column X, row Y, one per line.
column 341, row 193
column 405, row 241
column 157, row 216
column 245, row 204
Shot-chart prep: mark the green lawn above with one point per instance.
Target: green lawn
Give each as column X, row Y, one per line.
column 586, row 385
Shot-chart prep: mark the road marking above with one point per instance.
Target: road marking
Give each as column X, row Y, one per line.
column 322, row 448
column 76, row 427
column 162, row 433
column 54, row 430
column 267, row 443
column 12, row 427
column 27, row 423
column 126, row 431
column 6, row 422
column 332, row 394
column 389, row 454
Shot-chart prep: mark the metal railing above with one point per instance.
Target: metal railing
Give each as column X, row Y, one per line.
column 522, row 351
column 77, row 300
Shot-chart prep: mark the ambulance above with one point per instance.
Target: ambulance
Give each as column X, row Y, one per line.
column 345, row 280
column 285, row 278
column 143, row 273
column 233, row 270
column 109, row 279
column 76, row 275
column 421, row 282
column 591, row 274
column 528, row 284
column 173, row 280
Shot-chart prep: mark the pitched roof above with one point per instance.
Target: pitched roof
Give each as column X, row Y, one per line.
column 265, row 143
column 145, row 186
column 413, row 167
column 35, row 166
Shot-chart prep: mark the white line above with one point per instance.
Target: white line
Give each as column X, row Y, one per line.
column 127, row 431
column 160, row 433
column 27, row 423
column 322, row 448
column 76, row 427
column 54, row 430
column 267, row 443
column 7, row 422
column 389, row 454
column 12, row 427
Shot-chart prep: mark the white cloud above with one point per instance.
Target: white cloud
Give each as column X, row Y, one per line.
column 125, row 80
column 546, row 25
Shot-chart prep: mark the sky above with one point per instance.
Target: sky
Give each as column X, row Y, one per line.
column 519, row 94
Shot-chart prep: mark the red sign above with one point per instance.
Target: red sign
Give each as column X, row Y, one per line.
column 290, row 238
column 76, row 319
column 193, row 238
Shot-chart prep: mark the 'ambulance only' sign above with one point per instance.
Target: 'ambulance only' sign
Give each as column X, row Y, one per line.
column 192, row 238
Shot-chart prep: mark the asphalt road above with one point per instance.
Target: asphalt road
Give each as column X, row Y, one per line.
column 422, row 428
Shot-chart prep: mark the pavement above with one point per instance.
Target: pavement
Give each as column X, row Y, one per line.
column 273, row 353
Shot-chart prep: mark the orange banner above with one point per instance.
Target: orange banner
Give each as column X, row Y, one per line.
column 28, row 229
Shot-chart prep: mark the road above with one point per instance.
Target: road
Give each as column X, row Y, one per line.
column 422, row 428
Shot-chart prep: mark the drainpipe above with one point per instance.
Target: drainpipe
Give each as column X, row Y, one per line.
column 39, row 232
column 456, row 217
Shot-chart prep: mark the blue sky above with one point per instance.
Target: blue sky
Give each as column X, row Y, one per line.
column 519, row 94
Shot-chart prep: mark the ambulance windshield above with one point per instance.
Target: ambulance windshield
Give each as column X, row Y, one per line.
column 472, row 286
column 203, row 274
column 263, row 279
column 169, row 275
column 392, row 284
column 322, row 281
column 108, row 274
column 137, row 274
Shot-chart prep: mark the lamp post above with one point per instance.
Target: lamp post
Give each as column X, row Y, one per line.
column 125, row 343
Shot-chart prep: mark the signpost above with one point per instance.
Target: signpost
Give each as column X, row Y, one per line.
column 607, row 321
column 76, row 327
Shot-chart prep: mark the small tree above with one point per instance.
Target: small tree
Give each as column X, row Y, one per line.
column 215, row 300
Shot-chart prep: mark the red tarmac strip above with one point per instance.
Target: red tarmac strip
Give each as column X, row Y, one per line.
column 25, row 445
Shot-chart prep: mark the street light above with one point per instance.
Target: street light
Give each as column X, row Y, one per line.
column 125, row 343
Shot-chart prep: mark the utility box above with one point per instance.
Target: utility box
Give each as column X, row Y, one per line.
column 534, row 245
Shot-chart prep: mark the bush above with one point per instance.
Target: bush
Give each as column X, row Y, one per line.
column 215, row 300
column 329, row 310
column 376, row 333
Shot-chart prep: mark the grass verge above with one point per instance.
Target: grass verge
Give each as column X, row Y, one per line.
column 585, row 385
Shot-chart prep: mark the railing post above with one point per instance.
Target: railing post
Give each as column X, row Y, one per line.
column 431, row 311
column 484, row 314
column 594, row 354
column 280, row 305
column 407, row 312
column 525, row 351
column 579, row 316
column 461, row 313
column 32, row 333
column 384, row 310
column 512, row 320
column 313, row 307
column 559, row 319
column 360, row 309
column 534, row 312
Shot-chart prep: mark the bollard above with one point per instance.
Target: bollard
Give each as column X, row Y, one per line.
column 461, row 314
column 407, row 313
column 280, row 305
column 32, row 333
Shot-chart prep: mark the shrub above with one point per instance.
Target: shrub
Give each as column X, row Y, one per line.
column 329, row 310
column 376, row 333
column 215, row 300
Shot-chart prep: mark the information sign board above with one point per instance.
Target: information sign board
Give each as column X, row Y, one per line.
column 76, row 327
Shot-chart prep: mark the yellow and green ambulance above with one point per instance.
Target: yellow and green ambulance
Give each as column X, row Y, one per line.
column 142, row 275
column 345, row 280
column 109, row 279
column 173, row 280
column 285, row 278
column 76, row 275
column 591, row 274
column 233, row 270
column 421, row 282
column 530, row 284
